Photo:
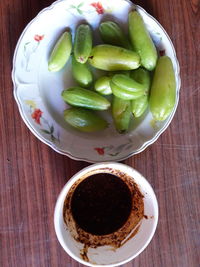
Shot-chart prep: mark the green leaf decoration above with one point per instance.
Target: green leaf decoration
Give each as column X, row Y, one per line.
column 52, row 129
column 79, row 11
column 80, row 5
column 113, row 154
column 53, row 138
column 46, row 131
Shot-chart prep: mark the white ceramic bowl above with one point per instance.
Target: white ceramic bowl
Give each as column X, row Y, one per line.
column 38, row 92
column 105, row 255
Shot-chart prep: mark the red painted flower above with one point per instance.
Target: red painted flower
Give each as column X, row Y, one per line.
column 98, row 6
column 162, row 52
column 100, row 150
column 36, row 115
column 38, row 38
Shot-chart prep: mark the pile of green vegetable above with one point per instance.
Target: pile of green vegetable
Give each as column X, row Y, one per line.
column 128, row 78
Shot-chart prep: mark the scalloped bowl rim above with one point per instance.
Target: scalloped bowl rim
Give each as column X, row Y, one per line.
column 53, row 146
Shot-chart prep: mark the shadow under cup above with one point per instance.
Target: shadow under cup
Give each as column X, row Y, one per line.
column 110, row 248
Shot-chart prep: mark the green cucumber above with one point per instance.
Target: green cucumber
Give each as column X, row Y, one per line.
column 163, row 90
column 84, row 120
column 82, row 43
column 111, row 33
column 61, row 52
column 141, row 41
column 113, row 58
column 77, row 96
column 140, row 104
column 81, row 73
column 102, row 85
column 121, row 113
column 126, row 88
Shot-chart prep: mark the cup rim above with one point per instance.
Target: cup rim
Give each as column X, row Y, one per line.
column 62, row 195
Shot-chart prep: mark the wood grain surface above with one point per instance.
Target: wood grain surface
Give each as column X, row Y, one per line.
column 32, row 174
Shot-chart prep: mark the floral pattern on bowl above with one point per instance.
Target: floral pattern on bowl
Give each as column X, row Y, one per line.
column 37, row 91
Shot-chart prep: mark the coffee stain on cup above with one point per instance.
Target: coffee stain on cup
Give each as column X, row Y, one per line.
column 119, row 237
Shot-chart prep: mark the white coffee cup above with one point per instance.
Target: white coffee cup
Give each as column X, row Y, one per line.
column 105, row 255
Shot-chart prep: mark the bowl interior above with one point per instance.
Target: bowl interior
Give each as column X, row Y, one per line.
column 38, row 92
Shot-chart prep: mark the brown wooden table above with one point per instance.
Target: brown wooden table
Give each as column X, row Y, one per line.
column 32, row 174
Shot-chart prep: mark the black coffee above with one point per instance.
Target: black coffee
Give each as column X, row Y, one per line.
column 101, row 204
